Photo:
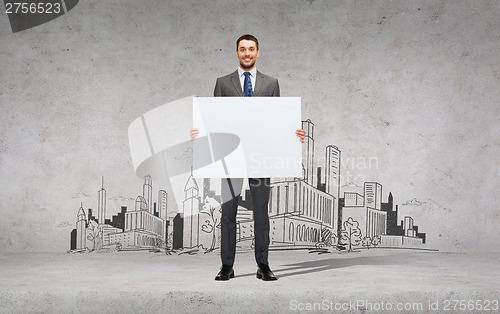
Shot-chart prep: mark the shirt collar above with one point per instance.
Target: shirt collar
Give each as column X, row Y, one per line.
column 253, row 72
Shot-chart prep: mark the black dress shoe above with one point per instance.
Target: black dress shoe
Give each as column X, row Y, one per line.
column 265, row 273
column 225, row 273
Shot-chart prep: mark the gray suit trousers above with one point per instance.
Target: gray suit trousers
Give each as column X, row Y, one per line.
column 231, row 189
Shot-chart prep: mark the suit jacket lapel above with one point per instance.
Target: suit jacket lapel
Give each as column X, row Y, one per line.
column 236, row 82
column 258, row 84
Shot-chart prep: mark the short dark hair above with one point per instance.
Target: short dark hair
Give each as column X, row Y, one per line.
column 247, row 37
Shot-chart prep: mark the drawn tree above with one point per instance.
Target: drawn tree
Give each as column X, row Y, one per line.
column 213, row 209
column 159, row 243
column 94, row 234
column 328, row 239
column 170, row 240
column 367, row 241
column 351, row 234
column 373, row 241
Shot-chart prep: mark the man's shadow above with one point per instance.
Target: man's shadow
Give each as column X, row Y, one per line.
column 320, row 265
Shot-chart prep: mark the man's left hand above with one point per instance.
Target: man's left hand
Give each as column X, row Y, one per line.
column 300, row 134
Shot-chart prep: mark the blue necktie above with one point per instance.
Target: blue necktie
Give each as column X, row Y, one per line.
column 247, row 90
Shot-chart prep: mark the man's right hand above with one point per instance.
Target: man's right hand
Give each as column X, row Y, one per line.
column 194, row 133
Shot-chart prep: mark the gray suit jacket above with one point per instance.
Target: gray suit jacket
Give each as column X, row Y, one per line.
column 230, row 86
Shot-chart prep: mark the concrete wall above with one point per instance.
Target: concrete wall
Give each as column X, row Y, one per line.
column 410, row 84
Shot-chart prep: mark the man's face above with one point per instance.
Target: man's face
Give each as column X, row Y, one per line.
column 247, row 53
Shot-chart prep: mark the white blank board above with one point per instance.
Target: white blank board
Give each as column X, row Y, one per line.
column 247, row 137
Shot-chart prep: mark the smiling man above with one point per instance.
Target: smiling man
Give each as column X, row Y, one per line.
column 246, row 81
column 237, row 84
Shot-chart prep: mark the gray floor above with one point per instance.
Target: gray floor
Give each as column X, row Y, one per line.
column 375, row 280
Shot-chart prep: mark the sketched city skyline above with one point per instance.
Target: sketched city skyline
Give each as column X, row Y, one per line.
column 305, row 212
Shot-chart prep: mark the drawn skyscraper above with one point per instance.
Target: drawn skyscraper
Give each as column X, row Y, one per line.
column 162, row 204
column 332, row 177
column 408, row 227
column 147, row 193
column 376, row 218
column 81, row 236
column 392, row 217
column 206, row 188
column 308, row 152
column 101, row 205
column 373, row 195
column 142, row 227
column 190, row 210
column 140, row 204
column 332, row 170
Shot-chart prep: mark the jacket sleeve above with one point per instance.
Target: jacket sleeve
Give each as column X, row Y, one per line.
column 217, row 90
column 276, row 91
